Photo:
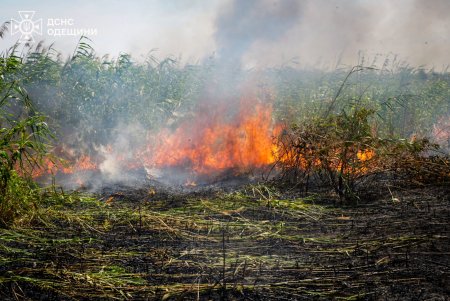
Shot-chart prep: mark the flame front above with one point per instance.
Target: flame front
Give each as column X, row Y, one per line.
column 220, row 137
column 216, row 143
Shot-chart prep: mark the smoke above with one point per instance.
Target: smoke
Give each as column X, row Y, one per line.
column 117, row 115
column 326, row 33
column 127, row 138
column 258, row 33
column 245, row 22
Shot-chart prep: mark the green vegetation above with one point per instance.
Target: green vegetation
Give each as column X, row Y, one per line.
column 340, row 150
column 340, row 127
column 23, row 141
column 87, row 99
column 93, row 95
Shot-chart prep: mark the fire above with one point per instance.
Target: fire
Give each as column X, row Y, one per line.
column 220, row 137
column 65, row 166
column 365, row 155
column 222, row 143
column 83, row 163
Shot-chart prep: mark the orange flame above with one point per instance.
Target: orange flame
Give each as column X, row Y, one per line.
column 65, row 166
column 217, row 139
column 220, row 137
column 365, row 155
column 217, row 144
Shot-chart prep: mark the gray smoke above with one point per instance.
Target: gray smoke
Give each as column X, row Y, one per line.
column 257, row 32
column 245, row 22
column 331, row 32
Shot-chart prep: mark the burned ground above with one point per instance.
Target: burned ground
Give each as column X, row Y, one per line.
column 248, row 243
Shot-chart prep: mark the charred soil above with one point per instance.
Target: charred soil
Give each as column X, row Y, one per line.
column 250, row 243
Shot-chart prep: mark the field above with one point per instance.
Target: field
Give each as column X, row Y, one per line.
column 254, row 243
column 160, row 181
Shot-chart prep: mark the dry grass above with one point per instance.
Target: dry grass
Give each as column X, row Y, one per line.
column 252, row 243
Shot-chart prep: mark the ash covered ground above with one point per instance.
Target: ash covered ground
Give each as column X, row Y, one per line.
column 233, row 241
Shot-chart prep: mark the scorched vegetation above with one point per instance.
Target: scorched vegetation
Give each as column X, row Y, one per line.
column 155, row 180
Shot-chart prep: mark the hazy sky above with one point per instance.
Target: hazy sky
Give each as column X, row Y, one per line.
column 257, row 32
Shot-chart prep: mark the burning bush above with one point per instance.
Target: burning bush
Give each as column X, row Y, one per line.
column 340, row 149
column 164, row 119
column 337, row 149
